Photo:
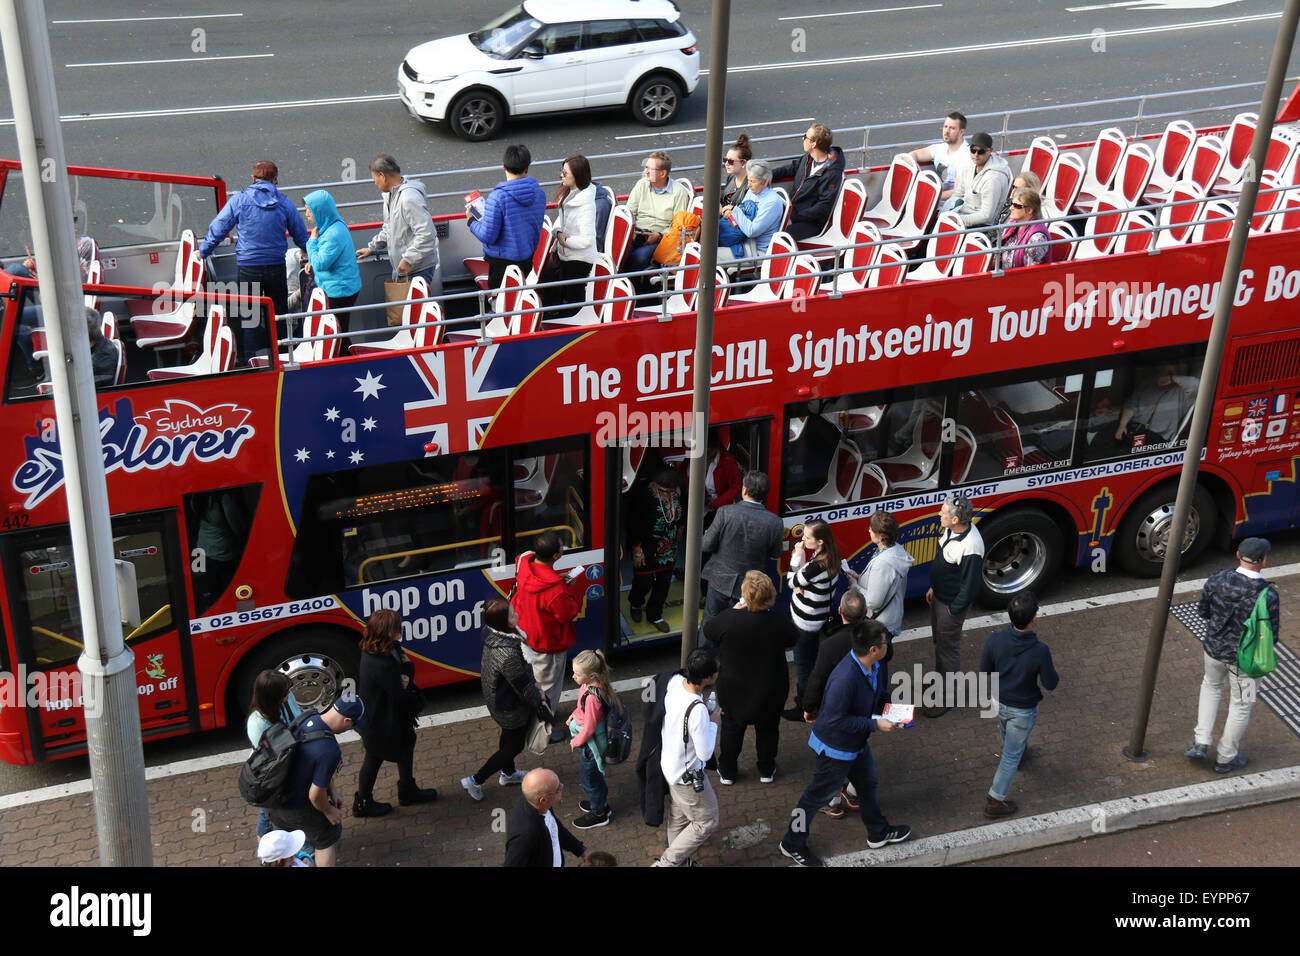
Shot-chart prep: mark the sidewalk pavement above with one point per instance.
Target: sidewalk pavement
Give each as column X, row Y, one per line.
column 933, row 776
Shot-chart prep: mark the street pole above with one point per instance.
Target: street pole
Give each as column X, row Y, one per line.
column 704, row 322
column 1136, row 749
column 106, row 664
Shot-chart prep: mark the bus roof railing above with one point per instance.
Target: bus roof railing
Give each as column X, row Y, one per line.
column 1137, row 116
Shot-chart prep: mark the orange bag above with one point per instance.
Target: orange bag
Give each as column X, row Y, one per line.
column 685, row 228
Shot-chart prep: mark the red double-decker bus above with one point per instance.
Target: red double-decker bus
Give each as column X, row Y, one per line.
column 261, row 514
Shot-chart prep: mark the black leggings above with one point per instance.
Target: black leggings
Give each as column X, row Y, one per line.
column 370, row 770
column 509, row 747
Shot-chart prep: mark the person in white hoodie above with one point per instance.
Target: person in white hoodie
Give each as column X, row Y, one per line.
column 575, row 235
column 884, row 583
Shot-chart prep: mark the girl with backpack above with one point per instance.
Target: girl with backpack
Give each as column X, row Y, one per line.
column 589, row 737
column 272, row 703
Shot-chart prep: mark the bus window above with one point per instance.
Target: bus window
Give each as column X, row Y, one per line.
column 1141, row 408
column 1015, row 428
column 859, row 448
column 49, row 594
column 218, row 523
column 397, row 520
column 550, row 492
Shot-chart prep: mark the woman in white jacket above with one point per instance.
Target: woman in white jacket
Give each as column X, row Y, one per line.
column 884, row 583
column 575, row 235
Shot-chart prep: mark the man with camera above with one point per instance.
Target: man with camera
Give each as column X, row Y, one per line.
column 689, row 735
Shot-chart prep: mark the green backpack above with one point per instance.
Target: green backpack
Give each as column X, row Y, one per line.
column 1255, row 655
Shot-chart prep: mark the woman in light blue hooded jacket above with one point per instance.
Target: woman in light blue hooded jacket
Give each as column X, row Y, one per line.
column 331, row 256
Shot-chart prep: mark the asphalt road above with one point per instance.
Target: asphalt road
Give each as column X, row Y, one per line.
column 210, row 87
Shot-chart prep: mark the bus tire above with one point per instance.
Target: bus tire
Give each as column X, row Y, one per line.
column 1023, row 548
column 1139, row 545
column 317, row 661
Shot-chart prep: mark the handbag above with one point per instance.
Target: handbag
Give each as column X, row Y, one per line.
column 538, row 735
column 396, row 290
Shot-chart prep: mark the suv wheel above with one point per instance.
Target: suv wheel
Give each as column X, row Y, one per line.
column 656, row 100
column 477, row 115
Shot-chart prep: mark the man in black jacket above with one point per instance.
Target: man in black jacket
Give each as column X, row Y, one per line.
column 817, row 176
column 534, row 836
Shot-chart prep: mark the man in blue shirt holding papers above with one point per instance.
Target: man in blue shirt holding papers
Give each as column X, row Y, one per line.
column 856, row 692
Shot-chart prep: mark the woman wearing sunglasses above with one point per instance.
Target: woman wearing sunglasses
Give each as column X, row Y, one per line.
column 1024, row 243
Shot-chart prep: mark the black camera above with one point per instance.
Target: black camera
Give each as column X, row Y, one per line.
column 695, row 778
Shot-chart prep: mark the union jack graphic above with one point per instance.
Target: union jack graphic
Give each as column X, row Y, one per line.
column 1257, row 408
column 454, row 378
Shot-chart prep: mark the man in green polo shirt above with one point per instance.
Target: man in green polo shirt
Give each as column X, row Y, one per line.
column 653, row 202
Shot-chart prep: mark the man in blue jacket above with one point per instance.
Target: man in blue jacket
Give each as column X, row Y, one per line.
column 856, row 691
column 512, row 218
column 262, row 214
column 1021, row 661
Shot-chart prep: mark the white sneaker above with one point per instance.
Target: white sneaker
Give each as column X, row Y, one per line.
column 473, row 789
column 511, row 779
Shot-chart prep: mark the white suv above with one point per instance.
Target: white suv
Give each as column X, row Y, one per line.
column 550, row 55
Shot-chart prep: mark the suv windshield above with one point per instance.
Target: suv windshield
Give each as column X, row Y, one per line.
column 506, row 32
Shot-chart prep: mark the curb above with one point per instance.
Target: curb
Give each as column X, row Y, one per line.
column 1078, row 823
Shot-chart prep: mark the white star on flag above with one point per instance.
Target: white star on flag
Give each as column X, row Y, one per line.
column 330, row 453
column 356, row 457
column 332, row 414
column 302, row 454
column 369, row 424
column 370, row 386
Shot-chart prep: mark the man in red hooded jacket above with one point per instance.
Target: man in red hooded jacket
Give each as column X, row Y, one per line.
column 547, row 608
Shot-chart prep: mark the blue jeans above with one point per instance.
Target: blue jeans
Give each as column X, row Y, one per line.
column 715, row 602
column 593, row 783
column 1014, row 725
column 431, row 276
column 263, row 823
column 828, row 778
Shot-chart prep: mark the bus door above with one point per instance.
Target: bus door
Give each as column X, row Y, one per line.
column 638, row 510
column 47, row 624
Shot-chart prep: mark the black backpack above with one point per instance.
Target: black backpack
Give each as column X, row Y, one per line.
column 618, row 733
column 263, row 776
column 603, row 208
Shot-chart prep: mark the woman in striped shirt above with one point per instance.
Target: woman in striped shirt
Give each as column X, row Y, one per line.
column 812, row 583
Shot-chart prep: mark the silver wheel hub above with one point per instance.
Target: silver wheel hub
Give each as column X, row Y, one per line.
column 315, row 680
column 1153, row 532
column 1015, row 562
column 658, row 102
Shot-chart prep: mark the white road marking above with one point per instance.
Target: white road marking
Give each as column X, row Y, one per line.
column 188, row 16
column 1156, row 5
column 183, row 59
column 1001, row 45
column 804, row 64
column 199, row 764
column 675, row 132
column 854, row 13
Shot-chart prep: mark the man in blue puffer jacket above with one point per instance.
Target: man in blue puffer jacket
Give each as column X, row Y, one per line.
column 855, row 693
column 262, row 214
column 331, row 255
column 512, row 218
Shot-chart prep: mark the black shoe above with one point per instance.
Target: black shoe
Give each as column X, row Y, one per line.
column 369, row 807
column 793, row 713
column 892, row 835
column 408, row 793
column 589, row 820
column 636, row 612
column 663, row 626
column 559, row 735
column 804, row 857
column 584, row 805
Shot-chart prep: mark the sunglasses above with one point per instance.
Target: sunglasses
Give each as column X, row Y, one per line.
column 732, row 162
column 1017, row 205
column 978, row 150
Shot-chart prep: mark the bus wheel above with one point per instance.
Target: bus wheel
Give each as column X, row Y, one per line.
column 1143, row 535
column 317, row 663
column 1022, row 550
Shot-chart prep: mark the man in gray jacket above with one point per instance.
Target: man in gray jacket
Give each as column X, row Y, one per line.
column 408, row 231
column 981, row 190
column 742, row 537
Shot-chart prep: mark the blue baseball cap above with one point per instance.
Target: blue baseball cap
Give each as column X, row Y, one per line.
column 352, row 707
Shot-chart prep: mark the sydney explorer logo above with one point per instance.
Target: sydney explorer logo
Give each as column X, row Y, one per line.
column 163, row 437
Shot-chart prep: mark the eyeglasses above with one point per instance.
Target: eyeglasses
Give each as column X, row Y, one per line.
column 1017, row 205
column 978, row 150
column 809, row 139
column 650, row 169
